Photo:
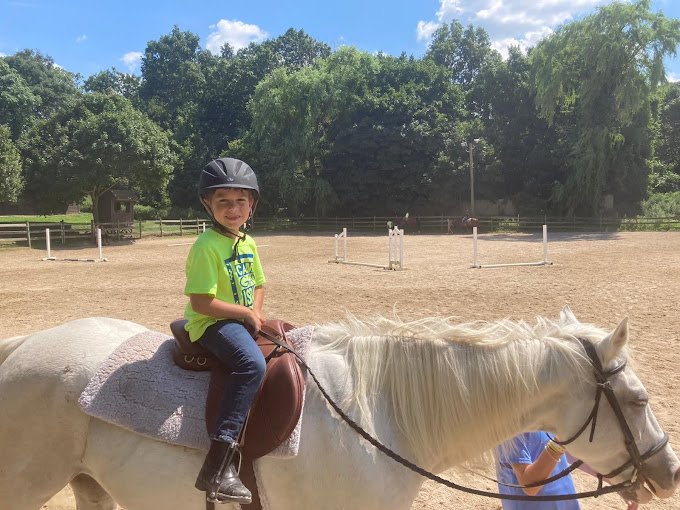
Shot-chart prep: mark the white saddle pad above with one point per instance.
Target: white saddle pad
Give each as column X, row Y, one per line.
column 139, row 388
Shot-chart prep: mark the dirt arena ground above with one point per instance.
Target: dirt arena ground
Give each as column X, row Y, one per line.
column 603, row 277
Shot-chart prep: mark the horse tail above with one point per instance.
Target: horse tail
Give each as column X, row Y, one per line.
column 9, row 345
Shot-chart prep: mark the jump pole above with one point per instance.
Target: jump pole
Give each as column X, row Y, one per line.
column 99, row 248
column 544, row 262
column 49, row 246
column 395, row 246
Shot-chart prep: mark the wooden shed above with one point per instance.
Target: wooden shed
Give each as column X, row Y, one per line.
column 116, row 206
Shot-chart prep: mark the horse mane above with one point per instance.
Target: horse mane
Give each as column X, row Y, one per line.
column 435, row 373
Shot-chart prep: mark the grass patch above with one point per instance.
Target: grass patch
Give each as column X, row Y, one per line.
column 48, row 218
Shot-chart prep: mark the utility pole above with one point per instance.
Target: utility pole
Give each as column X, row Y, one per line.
column 470, row 146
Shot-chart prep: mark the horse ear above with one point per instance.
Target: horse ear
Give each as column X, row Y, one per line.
column 612, row 344
column 567, row 316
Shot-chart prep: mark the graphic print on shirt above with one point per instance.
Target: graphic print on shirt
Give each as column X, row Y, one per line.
column 242, row 279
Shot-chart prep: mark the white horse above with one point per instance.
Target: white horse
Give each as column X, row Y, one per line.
column 435, row 392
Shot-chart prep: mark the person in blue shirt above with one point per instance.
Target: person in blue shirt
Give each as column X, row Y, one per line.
column 531, row 457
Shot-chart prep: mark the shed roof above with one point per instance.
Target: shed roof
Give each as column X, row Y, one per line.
column 123, row 194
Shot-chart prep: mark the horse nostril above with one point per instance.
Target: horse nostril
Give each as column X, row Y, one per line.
column 677, row 477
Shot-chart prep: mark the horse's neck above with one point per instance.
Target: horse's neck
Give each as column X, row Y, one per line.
column 494, row 409
column 522, row 407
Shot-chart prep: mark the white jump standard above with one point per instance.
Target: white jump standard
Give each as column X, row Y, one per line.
column 544, row 262
column 395, row 249
column 49, row 249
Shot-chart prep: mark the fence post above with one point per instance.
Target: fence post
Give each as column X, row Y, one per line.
column 140, row 229
column 28, row 233
column 197, row 232
column 160, row 222
column 117, row 230
column 94, row 234
column 63, row 233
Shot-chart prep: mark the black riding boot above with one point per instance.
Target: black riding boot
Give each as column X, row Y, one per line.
column 219, row 477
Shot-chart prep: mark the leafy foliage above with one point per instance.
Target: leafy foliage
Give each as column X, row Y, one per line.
column 348, row 132
column 11, row 181
column 661, row 205
column 17, row 102
column 99, row 144
column 55, row 87
column 597, row 75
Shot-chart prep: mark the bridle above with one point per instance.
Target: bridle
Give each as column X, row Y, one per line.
column 603, row 386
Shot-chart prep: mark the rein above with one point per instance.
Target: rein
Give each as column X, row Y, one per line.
column 603, row 386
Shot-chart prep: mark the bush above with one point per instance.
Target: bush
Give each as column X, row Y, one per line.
column 147, row 212
column 86, row 204
column 662, row 205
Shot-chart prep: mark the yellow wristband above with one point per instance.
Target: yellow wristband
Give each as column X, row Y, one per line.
column 555, row 447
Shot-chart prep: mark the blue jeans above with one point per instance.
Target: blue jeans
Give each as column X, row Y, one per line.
column 233, row 345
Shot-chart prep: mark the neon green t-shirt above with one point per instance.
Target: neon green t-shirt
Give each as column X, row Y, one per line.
column 211, row 269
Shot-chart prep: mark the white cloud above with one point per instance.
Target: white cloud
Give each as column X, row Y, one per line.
column 529, row 40
column 2, row 54
column 132, row 59
column 519, row 22
column 81, row 38
column 672, row 77
column 449, row 9
column 425, row 29
column 237, row 33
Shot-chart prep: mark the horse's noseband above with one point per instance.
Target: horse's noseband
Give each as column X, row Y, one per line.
column 604, row 386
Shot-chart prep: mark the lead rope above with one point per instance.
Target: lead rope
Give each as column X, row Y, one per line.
column 423, row 472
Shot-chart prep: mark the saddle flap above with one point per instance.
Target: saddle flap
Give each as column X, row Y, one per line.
column 278, row 404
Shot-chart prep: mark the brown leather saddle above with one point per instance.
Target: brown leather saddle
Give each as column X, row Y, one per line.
column 277, row 406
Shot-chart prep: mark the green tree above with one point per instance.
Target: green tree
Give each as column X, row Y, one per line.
column 356, row 133
column 598, row 74
column 290, row 113
column 11, row 182
column 526, row 149
column 295, row 49
column 55, row 87
column 174, row 70
column 112, row 80
column 173, row 78
column 17, row 102
column 664, row 174
column 464, row 51
column 101, row 142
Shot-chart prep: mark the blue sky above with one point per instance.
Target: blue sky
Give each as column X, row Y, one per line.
column 90, row 36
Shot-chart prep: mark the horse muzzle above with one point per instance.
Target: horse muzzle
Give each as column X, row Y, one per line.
column 651, row 482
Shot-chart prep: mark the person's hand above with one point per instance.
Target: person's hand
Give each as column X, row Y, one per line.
column 632, row 505
column 252, row 321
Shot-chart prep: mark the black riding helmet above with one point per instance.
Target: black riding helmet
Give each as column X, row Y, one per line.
column 227, row 173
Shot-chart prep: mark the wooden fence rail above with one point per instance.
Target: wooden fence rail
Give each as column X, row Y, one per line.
column 31, row 232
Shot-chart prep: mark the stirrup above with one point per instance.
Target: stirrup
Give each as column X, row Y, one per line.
column 212, row 495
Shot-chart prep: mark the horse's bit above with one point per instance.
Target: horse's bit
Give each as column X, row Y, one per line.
column 603, row 386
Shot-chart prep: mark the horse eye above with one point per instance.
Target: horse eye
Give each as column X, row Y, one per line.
column 641, row 402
